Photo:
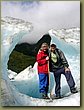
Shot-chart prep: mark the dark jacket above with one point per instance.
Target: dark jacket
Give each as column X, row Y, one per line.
column 61, row 61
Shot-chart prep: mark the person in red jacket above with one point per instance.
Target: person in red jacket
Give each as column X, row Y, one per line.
column 42, row 59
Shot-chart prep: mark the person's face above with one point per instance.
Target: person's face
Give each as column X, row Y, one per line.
column 52, row 49
column 45, row 48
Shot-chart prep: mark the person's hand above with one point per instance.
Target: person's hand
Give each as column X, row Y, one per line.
column 47, row 58
column 67, row 69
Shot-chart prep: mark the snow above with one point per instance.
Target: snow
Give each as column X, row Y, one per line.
column 11, row 74
column 69, row 35
column 27, row 80
column 25, row 74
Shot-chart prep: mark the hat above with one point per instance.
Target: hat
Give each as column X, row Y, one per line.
column 53, row 45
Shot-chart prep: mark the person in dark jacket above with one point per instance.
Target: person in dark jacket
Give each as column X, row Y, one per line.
column 42, row 59
column 59, row 65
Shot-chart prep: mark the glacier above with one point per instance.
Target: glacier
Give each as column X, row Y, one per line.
column 16, row 92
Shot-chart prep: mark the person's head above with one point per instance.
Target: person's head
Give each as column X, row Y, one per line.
column 52, row 47
column 44, row 46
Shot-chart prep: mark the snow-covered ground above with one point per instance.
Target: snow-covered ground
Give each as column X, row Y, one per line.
column 22, row 89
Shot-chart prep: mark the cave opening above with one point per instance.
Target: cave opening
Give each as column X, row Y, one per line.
column 22, row 56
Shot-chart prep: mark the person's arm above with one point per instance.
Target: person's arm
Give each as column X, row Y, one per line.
column 64, row 60
column 40, row 60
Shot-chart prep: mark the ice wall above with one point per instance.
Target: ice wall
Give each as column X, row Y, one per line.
column 12, row 30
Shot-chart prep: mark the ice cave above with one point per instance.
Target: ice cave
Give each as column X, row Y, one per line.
column 23, row 90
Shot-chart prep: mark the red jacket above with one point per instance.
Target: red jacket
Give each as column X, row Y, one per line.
column 42, row 62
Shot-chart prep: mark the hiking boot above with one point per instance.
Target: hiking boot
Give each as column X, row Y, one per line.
column 44, row 96
column 74, row 90
column 56, row 97
column 47, row 97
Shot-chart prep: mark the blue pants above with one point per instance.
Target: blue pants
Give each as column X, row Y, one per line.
column 43, row 83
column 69, row 79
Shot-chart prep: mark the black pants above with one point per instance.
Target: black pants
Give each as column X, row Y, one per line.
column 69, row 78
